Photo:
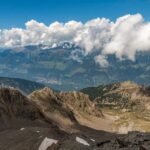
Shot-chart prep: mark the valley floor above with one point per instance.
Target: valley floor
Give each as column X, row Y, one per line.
column 124, row 122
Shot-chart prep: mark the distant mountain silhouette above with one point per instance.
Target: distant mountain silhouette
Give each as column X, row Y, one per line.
column 66, row 67
column 26, row 86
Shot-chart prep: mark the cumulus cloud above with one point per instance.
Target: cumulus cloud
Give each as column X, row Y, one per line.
column 128, row 35
column 124, row 37
column 77, row 55
column 102, row 60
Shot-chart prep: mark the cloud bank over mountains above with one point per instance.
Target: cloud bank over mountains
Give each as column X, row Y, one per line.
column 124, row 37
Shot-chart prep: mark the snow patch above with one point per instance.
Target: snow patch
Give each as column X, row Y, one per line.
column 22, row 129
column 46, row 143
column 92, row 140
column 82, row 141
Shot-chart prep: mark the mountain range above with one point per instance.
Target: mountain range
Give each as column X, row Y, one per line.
column 123, row 104
column 46, row 120
column 127, row 101
column 92, row 107
column 26, row 86
column 66, row 67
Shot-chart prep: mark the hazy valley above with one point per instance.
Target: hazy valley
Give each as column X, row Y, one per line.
column 66, row 67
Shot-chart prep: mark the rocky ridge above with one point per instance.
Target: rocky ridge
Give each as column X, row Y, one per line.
column 33, row 123
column 127, row 102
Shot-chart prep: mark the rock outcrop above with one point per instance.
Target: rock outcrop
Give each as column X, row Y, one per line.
column 80, row 103
column 125, row 95
column 127, row 103
column 16, row 109
column 63, row 108
column 51, row 106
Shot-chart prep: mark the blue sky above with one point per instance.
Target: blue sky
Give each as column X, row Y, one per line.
column 14, row 13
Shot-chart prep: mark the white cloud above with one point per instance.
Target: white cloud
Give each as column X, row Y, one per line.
column 128, row 35
column 124, row 37
column 102, row 60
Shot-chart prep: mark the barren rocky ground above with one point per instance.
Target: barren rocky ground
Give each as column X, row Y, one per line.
column 46, row 120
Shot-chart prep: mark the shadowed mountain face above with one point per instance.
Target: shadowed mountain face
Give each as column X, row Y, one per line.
column 16, row 110
column 46, row 120
column 25, row 86
column 67, row 68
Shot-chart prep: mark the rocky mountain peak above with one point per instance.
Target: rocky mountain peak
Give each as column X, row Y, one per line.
column 80, row 103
